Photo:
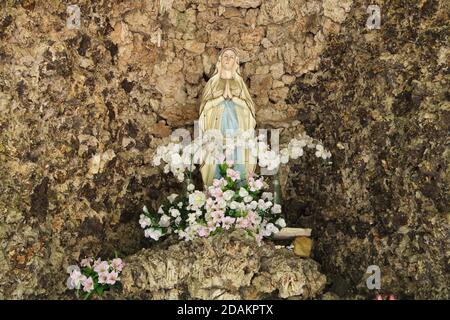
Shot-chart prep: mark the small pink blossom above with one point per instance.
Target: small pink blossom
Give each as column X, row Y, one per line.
column 227, row 222
column 230, row 163
column 203, row 231
column 219, row 183
column 88, row 285
column 103, row 277
column 255, row 184
column 76, row 279
column 233, row 174
column 97, row 262
column 216, row 192
column 101, row 267
column 117, row 264
column 217, row 215
column 112, row 277
column 242, row 222
column 86, row 262
column 251, row 174
column 251, row 216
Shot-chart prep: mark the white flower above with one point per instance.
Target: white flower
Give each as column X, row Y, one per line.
column 164, row 221
column 197, row 199
column 284, row 156
column 190, row 187
column 72, row 268
column 155, row 234
column 198, row 213
column 160, row 210
column 234, row 205
column 296, row 152
column 176, row 160
column 180, row 205
column 145, row 210
column 243, row 193
column 192, row 217
column 248, row 199
column 271, row 228
column 276, row 208
column 264, row 205
column 269, row 159
column 174, row 213
column 177, row 221
column 172, row 197
column 267, row 196
column 221, row 203
column 228, row 195
column 144, row 221
column 252, row 205
column 280, row 222
column 321, row 152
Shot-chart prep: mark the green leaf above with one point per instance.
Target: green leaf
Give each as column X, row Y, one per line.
column 99, row 290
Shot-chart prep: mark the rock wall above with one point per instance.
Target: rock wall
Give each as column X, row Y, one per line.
column 82, row 110
column 380, row 100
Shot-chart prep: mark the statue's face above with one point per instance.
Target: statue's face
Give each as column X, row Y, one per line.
column 228, row 60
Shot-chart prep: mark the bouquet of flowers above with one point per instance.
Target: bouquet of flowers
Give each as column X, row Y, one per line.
column 94, row 277
column 230, row 203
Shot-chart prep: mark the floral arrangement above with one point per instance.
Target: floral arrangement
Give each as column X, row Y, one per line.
column 230, row 203
column 181, row 159
column 94, row 277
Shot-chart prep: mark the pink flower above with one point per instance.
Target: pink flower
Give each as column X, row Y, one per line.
column 378, row 297
column 203, row 231
column 101, row 267
column 219, row 183
column 255, row 184
column 233, row 174
column 242, row 223
column 217, row 215
column 97, row 262
column 103, row 277
column 391, row 297
column 251, row 216
column 117, row 264
column 112, row 277
column 86, row 262
column 251, row 174
column 88, row 285
column 76, row 279
column 227, row 222
column 217, row 192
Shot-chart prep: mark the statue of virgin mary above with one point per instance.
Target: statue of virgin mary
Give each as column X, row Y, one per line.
column 227, row 106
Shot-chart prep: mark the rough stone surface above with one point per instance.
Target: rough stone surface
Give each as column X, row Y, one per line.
column 228, row 266
column 380, row 101
column 81, row 112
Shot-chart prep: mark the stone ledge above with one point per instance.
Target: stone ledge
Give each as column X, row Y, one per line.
column 227, row 266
